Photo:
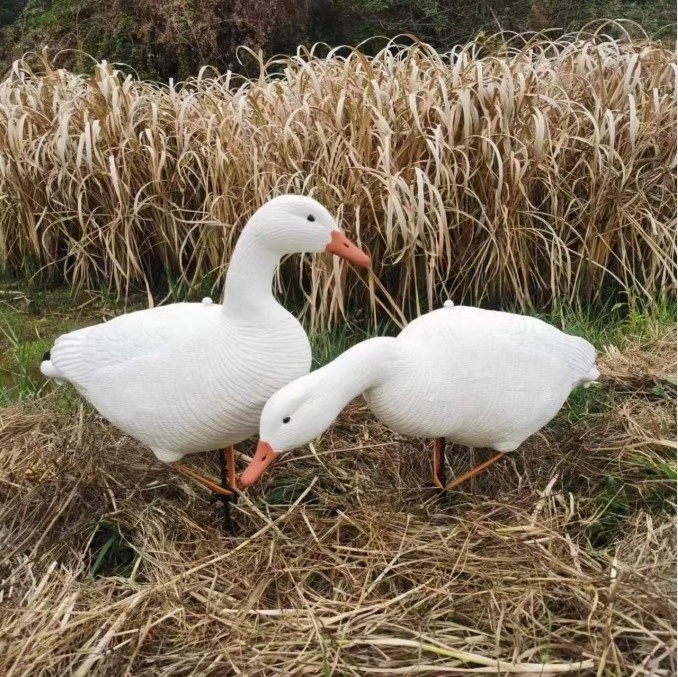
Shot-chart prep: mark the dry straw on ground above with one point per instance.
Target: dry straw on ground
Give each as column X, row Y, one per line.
column 559, row 559
column 528, row 170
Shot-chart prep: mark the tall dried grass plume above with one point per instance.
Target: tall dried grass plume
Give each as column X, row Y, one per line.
column 526, row 169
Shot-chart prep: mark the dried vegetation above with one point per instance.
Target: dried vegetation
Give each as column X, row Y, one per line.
column 560, row 559
column 525, row 170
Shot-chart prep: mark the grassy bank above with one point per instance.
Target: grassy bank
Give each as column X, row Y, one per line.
column 559, row 559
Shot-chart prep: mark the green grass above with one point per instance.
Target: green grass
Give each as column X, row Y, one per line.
column 175, row 290
column 614, row 323
column 612, row 510
column 30, row 319
column 328, row 345
column 111, row 551
column 286, row 490
column 19, row 377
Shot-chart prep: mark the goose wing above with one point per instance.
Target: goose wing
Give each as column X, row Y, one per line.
column 82, row 356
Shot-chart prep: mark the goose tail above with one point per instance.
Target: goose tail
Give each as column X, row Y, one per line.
column 581, row 357
column 48, row 370
column 592, row 376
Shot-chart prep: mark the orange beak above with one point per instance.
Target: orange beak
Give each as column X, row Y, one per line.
column 263, row 457
column 344, row 248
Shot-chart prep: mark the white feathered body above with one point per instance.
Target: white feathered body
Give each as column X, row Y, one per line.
column 477, row 377
column 187, row 377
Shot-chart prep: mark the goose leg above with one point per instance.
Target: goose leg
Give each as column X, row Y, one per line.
column 201, row 479
column 439, row 474
column 474, row 471
column 228, row 481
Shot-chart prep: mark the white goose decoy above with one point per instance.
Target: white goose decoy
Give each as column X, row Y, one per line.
column 192, row 377
column 475, row 377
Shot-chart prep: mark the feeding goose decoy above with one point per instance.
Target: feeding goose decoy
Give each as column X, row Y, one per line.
column 475, row 377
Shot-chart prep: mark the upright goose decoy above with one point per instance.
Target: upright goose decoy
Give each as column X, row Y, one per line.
column 475, row 377
column 192, row 377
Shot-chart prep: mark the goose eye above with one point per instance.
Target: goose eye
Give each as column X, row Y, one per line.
column 286, row 419
column 310, row 217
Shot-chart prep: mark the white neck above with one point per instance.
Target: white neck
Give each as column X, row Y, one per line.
column 250, row 274
column 361, row 367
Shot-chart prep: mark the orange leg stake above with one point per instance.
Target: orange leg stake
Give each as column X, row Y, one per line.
column 201, row 479
column 474, row 471
column 439, row 474
column 230, row 466
column 226, row 491
column 228, row 479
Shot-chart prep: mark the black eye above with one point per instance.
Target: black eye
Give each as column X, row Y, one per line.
column 310, row 217
column 286, row 419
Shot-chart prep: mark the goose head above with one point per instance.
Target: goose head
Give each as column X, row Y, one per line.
column 295, row 223
column 293, row 416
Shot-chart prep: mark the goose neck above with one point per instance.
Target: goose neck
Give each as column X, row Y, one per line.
column 361, row 367
column 250, row 275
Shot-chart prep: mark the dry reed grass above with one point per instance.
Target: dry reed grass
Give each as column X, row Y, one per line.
column 528, row 170
column 360, row 572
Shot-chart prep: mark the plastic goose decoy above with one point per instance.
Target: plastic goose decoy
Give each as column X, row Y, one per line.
column 192, row 377
column 475, row 377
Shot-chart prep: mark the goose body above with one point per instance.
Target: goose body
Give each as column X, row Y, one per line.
column 187, row 377
column 476, row 377
column 192, row 377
